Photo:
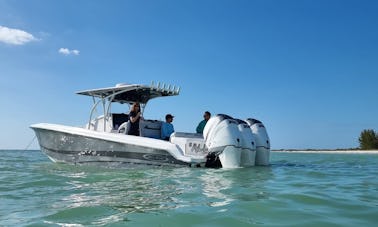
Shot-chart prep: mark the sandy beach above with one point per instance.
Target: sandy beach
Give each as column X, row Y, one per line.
column 330, row 151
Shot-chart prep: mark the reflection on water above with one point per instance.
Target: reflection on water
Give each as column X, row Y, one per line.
column 129, row 191
column 215, row 186
column 224, row 188
column 158, row 189
column 219, row 185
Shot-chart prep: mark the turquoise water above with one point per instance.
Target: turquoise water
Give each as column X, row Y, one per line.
column 298, row 189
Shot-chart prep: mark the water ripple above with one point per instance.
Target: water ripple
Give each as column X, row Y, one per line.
column 296, row 190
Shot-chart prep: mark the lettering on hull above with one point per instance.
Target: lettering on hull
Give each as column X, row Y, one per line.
column 197, row 149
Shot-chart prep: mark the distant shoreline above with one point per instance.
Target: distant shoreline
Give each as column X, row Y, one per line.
column 327, row 151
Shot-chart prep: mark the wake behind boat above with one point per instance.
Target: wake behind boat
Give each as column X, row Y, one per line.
column 226, row 142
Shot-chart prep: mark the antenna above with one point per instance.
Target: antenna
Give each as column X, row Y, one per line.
column 153, row 87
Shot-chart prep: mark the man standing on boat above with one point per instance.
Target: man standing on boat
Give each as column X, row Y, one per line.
column 202, row 124
column 167, row 127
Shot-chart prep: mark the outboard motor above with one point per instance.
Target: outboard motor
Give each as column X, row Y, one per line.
column 262, row 141
column 212, row 123
column 248, row 144
column 223, row 138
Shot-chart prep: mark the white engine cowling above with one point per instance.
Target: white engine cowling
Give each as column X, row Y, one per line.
column 248, row 144
column 231, row 140
column 262, row 141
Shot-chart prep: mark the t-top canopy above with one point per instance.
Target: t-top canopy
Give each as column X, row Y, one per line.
column 130, row 93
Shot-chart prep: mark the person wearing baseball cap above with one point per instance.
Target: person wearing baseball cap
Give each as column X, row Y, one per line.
column 167, row 127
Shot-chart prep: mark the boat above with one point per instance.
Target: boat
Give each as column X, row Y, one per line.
column 226, row 142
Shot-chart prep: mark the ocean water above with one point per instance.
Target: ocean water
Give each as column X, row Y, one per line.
column 298, row 189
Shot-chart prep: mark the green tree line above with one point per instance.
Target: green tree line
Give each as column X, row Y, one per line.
column 368, row 139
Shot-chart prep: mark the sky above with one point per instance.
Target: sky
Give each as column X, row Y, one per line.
column 308, row 69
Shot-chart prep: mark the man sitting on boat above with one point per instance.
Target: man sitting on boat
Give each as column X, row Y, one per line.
column 167, row 127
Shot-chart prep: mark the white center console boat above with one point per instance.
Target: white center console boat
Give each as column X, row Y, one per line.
column 226, row 142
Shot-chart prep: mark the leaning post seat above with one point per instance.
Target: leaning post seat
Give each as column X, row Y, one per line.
column 150, row 128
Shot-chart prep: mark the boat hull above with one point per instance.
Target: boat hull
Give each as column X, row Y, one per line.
column 76, row 145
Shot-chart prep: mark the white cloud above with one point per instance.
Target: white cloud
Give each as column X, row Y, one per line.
column 15, row 36
column 75, row 52
column 66, row 51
